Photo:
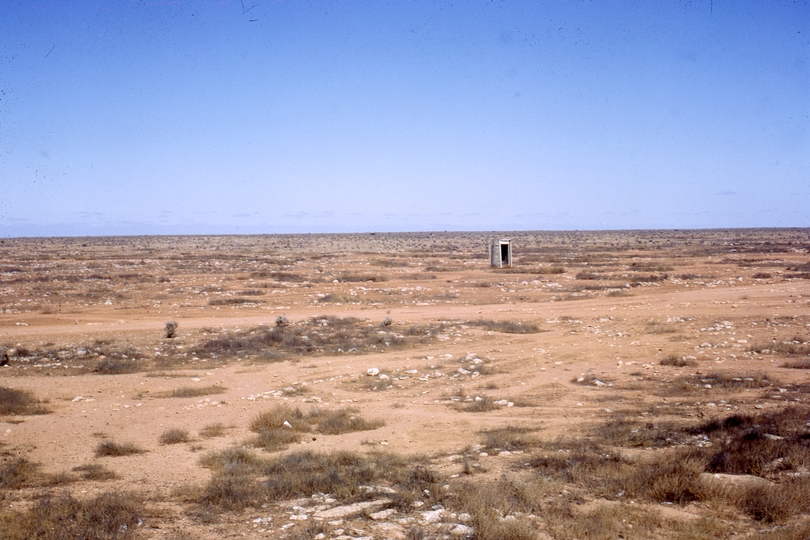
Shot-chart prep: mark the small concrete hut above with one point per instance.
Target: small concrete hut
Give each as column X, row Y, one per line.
column 500, row 253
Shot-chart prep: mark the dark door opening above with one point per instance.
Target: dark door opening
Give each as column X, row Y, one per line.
column 505, row 255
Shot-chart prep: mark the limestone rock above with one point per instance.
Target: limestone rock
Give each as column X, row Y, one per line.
column 339, row 512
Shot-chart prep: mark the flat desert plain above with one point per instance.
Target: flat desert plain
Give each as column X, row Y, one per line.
column 638, row 384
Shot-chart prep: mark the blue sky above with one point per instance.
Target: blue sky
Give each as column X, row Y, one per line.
column 260, row 116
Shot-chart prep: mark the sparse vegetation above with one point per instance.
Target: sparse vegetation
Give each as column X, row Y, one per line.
column 479, row 404
column 318, row 335
column 213, row 430
column 175, row 436
column 282, row 425
column 17, row 473
column 337, row 422
column 118, row 366
column 693, row 414
column 60, row 516
column 193, row 391
column 344, row 475
column 113, row 449
column 510, row 438
column 95, row 472
column 678, row 361
column 507, row 327
column 590, row 379
column 19, row 402
column 170, row 329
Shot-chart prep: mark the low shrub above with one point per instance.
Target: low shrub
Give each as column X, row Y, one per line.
column 18, row 473
column 506, row 327
column 118, row 366
column 19, row 402
column 213, row 430
column 175, row 436
column 193, row 391
column 342, row 421
column 480, row 404
column 510, row 438
column 678, row 361
column 113, row 449
column 345, row 475
column 95, row 472
column 57, row 517
column 282, row 425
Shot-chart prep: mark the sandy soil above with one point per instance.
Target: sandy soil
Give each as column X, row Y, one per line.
column 610, row 305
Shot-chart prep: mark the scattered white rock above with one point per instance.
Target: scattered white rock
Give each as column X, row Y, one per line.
column 350, row 509
column 432, row 516
column 461, row 530
column 382, row 514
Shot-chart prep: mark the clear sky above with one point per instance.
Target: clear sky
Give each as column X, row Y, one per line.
column 269, row 116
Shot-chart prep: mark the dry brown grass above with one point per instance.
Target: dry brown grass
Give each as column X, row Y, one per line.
column 506, row 327
column 281, row 426
column 19, row 402
column 235, row 484
column 479, row 404
column 678, row 361
column 510, row 438
column 62, row 517
column 318, row 335
column 492, row 506
column 193, row 391
column 18, row 473
column 175, row 436
column 733, row 382
column 216, row 429
column 337, row 422
column 95, row 472
column 118, row 366
column 113, row 449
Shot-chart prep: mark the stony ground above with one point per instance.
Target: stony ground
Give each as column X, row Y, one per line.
column 418, row 336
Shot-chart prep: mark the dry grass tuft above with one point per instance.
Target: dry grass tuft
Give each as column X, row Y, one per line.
column 342, row 421
column 233, row 459
column 479, row 404
column 95, row 472
column 109, row 515
column 778, row 502
column 493, row 507
column 213, row 430
column 279, row 427
column 510, row 438
column 175, row 436
column 318, row 335
column 675, row 479
column 798, row 364
column 19, row 402
column 796, row 347
column 678, row 361
column 282, row 425
column 345, row 475
column 506, row 327
column 113, row 449
column 718, row 381
column 637, row 434
column 193, row 391
column 18, row 473
column 118, row 366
